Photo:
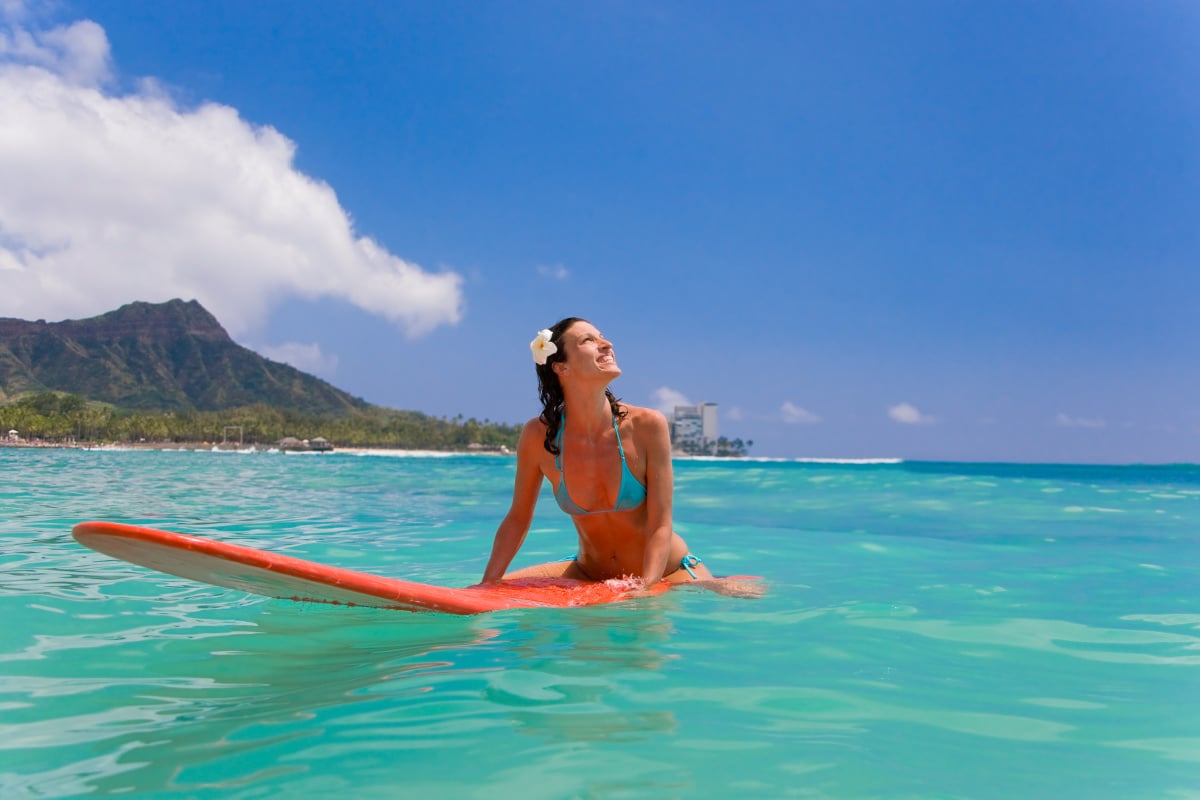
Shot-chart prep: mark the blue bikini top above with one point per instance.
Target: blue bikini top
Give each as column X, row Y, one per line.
column 630, row 495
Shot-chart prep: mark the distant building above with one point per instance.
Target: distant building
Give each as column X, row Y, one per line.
column 694, row 429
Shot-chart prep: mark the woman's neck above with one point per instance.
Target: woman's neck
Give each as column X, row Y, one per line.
column 588, row 411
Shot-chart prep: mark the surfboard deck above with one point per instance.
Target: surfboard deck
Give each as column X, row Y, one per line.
column 276, row 575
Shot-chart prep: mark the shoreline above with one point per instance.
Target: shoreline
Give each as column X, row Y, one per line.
column 227, row 447
column 207, row 447
column 502, row 451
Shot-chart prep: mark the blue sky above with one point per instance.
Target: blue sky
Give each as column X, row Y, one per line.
column 929, row 230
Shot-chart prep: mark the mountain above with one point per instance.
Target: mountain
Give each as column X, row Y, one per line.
column 171, row 356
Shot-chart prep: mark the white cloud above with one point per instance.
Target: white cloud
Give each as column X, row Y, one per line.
column 106, row 199
column 735, row 414
column 78, row 53
column 666, row 398
column 14, row 11
column 556, row 271
column 794, row 414
column 1066, row 421
column 909, row 415
column 305, row 357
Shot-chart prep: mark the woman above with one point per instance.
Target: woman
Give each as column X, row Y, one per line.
column 615, row 459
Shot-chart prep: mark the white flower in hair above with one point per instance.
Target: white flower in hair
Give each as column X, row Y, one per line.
column 542, row 347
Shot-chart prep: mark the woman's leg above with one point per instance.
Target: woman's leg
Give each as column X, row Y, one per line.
column 553, row 569
column 693, row 571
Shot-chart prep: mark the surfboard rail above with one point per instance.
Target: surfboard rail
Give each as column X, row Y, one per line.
column 276, row 575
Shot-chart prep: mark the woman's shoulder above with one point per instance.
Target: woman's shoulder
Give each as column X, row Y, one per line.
column 534, row 428
column 533, row 438
column 641, row 412
column 645, row 418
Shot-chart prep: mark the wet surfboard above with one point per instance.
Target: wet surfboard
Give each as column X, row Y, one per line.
column 262, row 572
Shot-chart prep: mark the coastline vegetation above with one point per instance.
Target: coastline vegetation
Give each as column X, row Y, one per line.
column 59, row 418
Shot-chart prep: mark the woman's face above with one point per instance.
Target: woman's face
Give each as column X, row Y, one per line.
column 586, row 353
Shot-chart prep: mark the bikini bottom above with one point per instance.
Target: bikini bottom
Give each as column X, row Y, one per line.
column 687, row 562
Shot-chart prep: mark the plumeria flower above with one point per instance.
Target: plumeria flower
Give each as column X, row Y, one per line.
column 542, row 347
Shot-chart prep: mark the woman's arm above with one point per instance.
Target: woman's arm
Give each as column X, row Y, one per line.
column 528, row 484
column 660, row 486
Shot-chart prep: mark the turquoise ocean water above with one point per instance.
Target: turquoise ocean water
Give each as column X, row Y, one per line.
column 931, row 631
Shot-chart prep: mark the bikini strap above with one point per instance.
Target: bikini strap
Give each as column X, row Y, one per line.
column 620, row 447
column 562, row 423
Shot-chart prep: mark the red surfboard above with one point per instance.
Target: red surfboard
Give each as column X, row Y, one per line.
column 274, row 575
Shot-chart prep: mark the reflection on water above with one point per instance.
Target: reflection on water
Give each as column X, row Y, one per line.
column 230, row 703
column 180, row 701
column 566, row 680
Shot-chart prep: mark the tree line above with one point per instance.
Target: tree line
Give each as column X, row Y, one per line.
column 65, row 418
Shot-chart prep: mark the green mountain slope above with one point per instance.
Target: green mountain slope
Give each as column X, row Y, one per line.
column 171, row 356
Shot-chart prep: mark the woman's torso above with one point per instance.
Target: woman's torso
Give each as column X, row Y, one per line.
column 611, row 542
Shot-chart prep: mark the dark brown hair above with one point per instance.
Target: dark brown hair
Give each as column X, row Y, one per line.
column 550, row 390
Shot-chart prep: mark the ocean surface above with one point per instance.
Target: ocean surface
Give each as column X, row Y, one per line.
column 930, row 631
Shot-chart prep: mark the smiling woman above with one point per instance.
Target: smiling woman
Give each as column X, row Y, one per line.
column 618, row 457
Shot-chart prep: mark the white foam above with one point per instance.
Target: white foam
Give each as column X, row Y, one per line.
column 770, row 460
column 409, row 453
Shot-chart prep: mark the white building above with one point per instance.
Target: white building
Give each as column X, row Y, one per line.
column 694, row 429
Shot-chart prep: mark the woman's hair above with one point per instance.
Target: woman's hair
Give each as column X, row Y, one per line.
column 550, row 390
